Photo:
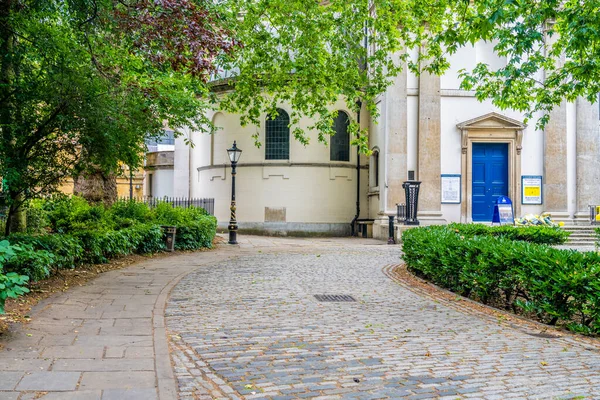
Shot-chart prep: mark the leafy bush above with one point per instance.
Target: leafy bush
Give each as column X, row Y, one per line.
column 67, row 250
column 533, row 234
column 37, row 218
column 12, row 285
column 557, row 286
column 69, row 214
column 82, row 233
column 165, row 214
column 196, row 234
column 35, row 264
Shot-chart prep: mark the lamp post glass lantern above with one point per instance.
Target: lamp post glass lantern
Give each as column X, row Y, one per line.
column 234, row 156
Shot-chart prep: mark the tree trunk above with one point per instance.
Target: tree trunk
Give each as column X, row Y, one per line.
column 96, row 187
column 16, row 220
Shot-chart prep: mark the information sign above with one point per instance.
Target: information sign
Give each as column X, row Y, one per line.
column 532, row 189
column 451, row 189
column 503, row 211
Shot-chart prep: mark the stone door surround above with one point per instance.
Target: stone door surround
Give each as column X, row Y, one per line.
column 491, row 128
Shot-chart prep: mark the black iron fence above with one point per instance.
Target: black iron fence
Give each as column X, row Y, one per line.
column 185, row 202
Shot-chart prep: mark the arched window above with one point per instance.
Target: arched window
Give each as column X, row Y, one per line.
column 374, row 169
column 339, row 150
column 277, row 140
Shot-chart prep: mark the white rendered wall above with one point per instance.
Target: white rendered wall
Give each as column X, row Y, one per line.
column 311, row 188
column 181, row 166
column 162, row 183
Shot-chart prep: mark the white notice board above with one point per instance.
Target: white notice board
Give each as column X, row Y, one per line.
column 451, row 189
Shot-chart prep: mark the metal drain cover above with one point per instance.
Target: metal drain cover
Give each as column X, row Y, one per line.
column 335, row 297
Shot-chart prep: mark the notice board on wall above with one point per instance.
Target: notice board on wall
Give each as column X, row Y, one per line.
column 451, row 189
column 531, row 187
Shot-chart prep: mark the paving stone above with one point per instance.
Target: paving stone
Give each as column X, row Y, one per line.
column 9, row 395
column 105, row 365
column 118, row 380
column 49, row 381
column 129, row 394
column 8, row 380
column 77, row 351
column 78, row 395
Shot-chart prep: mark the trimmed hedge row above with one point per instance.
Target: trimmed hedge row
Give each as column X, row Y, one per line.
column 533, row 234
column 559, row 287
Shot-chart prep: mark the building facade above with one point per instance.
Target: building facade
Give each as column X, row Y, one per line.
column 466, row 153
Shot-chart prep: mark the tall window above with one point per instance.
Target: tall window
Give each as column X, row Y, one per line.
column 277, row 141
column 339, row 150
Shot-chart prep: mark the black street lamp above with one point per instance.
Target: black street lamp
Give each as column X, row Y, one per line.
column 234, row 156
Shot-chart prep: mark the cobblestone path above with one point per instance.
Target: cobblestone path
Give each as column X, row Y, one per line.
column 252, row 328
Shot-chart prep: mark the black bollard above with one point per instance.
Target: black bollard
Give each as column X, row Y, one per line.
column 391, row 233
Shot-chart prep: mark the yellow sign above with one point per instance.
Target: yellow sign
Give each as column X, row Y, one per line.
column 533, row 191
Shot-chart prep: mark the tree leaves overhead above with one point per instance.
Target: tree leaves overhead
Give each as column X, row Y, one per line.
column 308, row 53
column 84, row 82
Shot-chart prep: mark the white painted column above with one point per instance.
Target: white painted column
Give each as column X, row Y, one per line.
column 588, row 158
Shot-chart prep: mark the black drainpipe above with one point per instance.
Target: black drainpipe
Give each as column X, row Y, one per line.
column 353, row 223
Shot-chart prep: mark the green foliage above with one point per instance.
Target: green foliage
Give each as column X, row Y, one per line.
column 81, row 233
column 196, row 234
column 556, row 286
column 37, row 218
column 12, row 285
column 598, row 234
column 126, row 212
column 533, row 234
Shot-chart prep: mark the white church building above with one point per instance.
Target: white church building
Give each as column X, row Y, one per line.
column 466, row 153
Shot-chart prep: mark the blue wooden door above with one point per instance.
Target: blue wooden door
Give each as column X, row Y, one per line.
column 490, row 178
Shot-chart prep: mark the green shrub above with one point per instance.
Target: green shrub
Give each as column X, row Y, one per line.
column 35, row 264
column 12, row 285
column 557, row 286
column 37, row 218
column 67, row 250
column 196, row 234
column 127, row 212
column 82, row 233
column 533, row 234
column 70, row 214
column 165, row 214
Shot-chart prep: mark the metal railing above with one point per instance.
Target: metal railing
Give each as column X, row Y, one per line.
column 185, row 202
column 401, row 212
column 594, row 212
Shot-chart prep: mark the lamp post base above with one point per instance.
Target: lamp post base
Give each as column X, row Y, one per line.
column 232, row 237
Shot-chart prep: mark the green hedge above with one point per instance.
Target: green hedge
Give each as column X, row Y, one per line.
column 77, row 233
column 556, row 286
column 598, row 239
column 533, row 234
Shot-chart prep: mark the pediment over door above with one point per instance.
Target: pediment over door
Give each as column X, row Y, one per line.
column 501, row 126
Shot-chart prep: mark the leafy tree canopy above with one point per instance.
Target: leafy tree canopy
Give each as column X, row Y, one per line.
column 308, row 52
column 84, row 82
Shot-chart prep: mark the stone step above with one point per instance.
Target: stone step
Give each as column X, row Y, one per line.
column 580, row 228
column 580, row 243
